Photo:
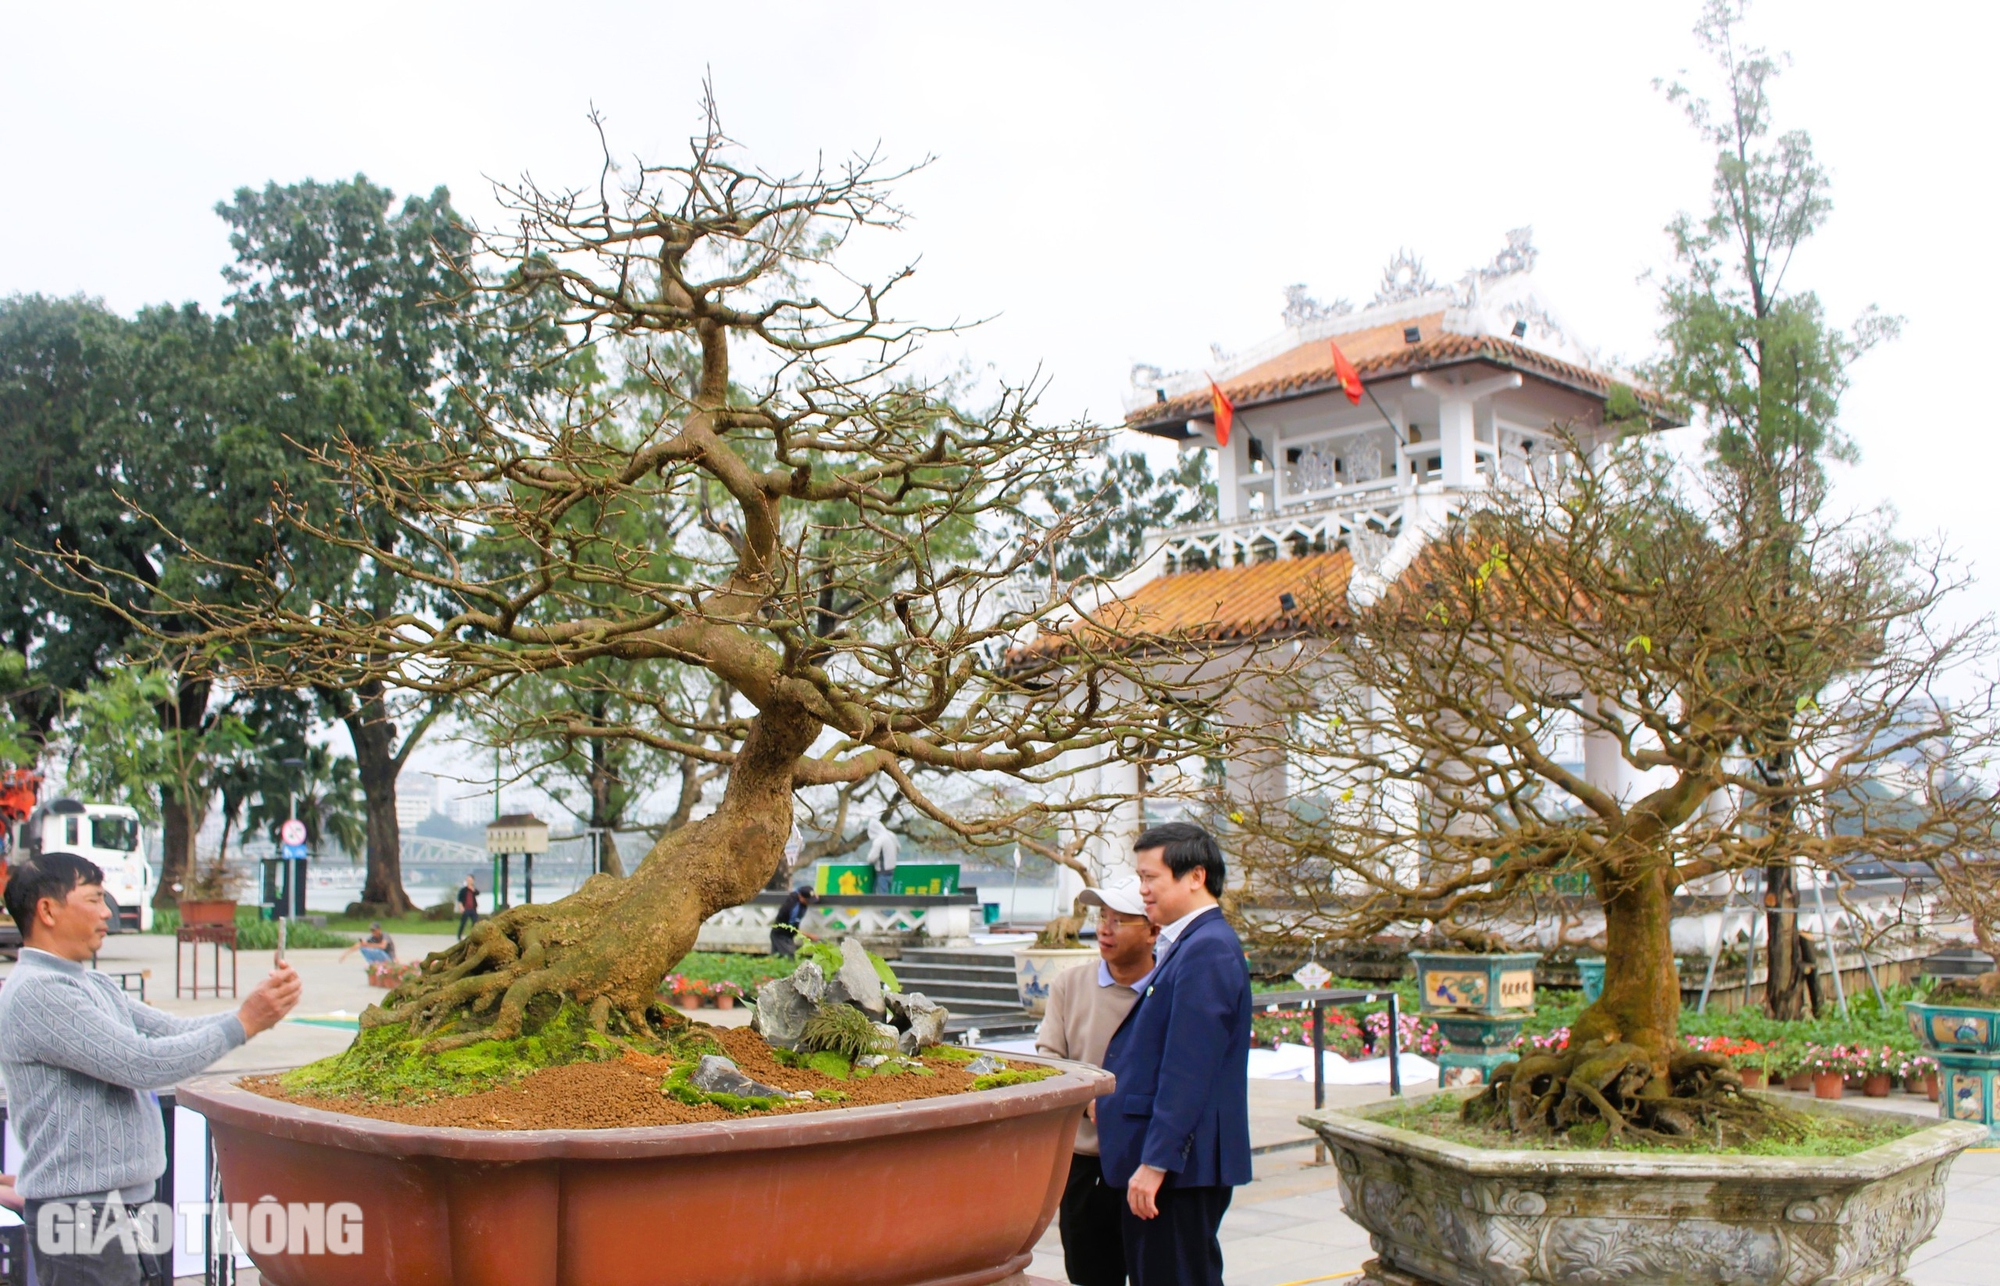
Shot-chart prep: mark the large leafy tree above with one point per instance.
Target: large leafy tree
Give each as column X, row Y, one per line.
column 832, row 588
column 342, row 268
column 1755, row 357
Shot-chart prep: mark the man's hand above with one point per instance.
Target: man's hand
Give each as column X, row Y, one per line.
column 272, row 1000
column 1145, row 1185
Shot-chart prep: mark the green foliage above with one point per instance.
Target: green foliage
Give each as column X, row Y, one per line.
column 1115, row 503
column 843, row 1030
column 386, row 1064
column 1784, row 1133
column 746, row 971
column 255, row 933
column 1013, row 1076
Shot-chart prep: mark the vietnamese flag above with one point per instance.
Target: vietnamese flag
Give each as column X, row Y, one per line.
column 1343, row 370
column 1225, row 413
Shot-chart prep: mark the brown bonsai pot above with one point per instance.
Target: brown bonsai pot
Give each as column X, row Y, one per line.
column 949, row 1191
column 207, row 913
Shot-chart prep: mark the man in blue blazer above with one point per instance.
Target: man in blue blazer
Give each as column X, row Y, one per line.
column 1175, row 1134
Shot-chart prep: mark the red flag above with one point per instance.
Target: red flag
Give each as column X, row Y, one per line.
column 1343, row 370
column 1225, row 413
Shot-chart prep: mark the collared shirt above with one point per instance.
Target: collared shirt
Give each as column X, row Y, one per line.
column 1172, row 934
column 1085, row 1009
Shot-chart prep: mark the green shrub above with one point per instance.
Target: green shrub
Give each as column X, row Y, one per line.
column 842, row 1030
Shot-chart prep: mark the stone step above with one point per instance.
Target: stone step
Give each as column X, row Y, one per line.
column 958, row 956
column 990, row 975
column 938, row 989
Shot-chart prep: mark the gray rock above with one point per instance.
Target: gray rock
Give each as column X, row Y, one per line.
column 886, row 1035
column 857, row 983
column 871, row 1061
column 985, row 1065
column 784, row 1004
column 921, row 1018
column 717, row 1075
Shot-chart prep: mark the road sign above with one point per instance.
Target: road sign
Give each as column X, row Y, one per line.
column 292, row 852
column 292, row 834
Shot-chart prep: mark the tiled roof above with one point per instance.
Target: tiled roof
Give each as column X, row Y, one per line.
column 1378, row 352
column 1221, row 604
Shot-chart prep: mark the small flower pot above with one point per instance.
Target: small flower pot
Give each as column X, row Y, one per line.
column 1753, row 1077
column 688, row 1000
column 725, row 1001
column 1828, row 1084
column 207, row 913
column 1931, row 1086
column 1876, row 1085
column 1799, row 1082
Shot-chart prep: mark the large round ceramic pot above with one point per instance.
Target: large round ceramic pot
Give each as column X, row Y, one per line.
column 950, row 1191
column 1037, row 968
column 1441, row 1212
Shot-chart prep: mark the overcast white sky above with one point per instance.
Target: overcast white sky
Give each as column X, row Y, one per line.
column 1114, row 182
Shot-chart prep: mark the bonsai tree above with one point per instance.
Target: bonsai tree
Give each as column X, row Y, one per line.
column 849, row 579
column 1573, row 689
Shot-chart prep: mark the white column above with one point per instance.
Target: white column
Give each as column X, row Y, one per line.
column 1455, row 436
column 1603, row 762
column 1232, row 465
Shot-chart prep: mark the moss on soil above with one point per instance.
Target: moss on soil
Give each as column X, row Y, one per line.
column 1013, row 1076
column 951, row 1053
column 387, row 1065
column 1788, row 1133
column 676, row 1086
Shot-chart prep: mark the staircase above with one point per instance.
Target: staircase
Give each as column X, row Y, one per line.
column 977, row 987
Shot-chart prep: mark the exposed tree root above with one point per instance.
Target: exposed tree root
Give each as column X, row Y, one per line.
column 1618, row 1084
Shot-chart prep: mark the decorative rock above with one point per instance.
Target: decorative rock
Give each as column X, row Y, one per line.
column 921, row 1018
column 985, row 1065
column 887, row 1035
column 857, row 983
column 871, row 1061
column 717, row 1075
column 784, row 1004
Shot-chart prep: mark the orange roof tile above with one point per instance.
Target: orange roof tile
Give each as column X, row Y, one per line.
column 1221, row 604
column 1378, row 352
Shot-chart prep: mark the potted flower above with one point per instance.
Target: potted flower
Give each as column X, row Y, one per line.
column 1830, row 1066
column 725, row 994
column 1918, row 1074
column 208, row 895
column 687, row 992
column 1878, row 1070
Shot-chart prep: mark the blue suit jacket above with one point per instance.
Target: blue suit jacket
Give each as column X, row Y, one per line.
column 1182, row 1059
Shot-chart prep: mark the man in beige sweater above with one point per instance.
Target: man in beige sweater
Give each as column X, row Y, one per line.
column 1085, row 1007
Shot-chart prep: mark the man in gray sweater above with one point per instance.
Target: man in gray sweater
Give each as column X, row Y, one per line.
column 80, row 1059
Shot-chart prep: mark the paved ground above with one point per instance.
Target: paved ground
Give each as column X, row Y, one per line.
column 1284, row 1229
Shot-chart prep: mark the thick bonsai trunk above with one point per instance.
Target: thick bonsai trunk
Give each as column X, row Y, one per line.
column 377, row 763
column 1641, row 1003
column 1785, row 976
column 608, row 945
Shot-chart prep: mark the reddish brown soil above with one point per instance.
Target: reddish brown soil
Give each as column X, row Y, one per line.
column 625, row 1092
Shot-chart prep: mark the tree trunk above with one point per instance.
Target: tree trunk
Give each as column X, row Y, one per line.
column 177, row 832
column 607, row 945
column 377, row 763
column 1785, row 980
column 1641, row 1003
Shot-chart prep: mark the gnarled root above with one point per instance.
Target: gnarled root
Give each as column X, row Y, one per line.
column 1618, row 1084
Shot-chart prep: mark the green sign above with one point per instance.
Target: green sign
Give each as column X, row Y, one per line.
column 934, row 879
column 844, row 881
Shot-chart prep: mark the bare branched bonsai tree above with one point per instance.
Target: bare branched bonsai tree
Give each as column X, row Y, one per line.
column 849, row 582
column 1577, row 683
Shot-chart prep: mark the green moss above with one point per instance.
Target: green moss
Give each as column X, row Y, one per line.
column 1787, row 1133
column 676, row 1085
column 386, row 1064
column 949, row 1053
column 828, row 1063
column 830, row 1096
column 1013, row 1076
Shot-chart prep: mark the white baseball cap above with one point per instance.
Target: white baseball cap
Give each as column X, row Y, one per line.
column 1122, row 897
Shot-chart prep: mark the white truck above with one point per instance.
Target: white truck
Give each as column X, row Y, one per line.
column 107, row 834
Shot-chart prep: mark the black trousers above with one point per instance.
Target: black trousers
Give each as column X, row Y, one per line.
column 784, row 942
column 1178, row 1246
column 466, row 917
column 1093, row 1234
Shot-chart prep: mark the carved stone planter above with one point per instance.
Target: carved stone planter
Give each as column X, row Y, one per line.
column 1440, row 1213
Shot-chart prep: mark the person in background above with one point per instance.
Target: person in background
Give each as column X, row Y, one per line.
column 80, row 1058
column 1175, row 1133
column 883, row 846
column 1085, row 1006
column 468, row 905
column 377, row 948
column 785, row 930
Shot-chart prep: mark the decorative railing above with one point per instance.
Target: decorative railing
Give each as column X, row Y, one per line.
column 1364, row 517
